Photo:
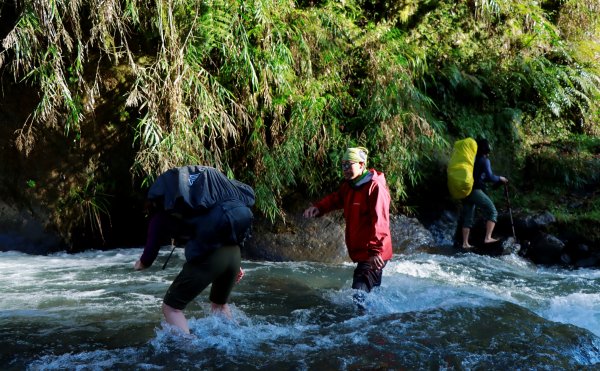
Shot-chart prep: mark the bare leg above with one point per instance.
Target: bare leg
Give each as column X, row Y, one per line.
column 489, row 228
column 221, row 309
column 176, row 318
column 465, row 236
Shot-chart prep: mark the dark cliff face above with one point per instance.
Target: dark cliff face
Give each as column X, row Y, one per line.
column 77, row 188
column 24, row 218
column 16, row 104
column 8, row 16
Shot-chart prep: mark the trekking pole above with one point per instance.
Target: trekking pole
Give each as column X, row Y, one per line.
column 169, row 257
column 512, row 224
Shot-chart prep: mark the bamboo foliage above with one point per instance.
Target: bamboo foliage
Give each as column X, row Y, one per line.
column 520, row 59
column 189, row 115
column 393, row 100
column 272, row 92
column 45, row 33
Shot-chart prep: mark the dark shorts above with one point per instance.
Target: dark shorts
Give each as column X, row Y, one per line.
column 220, row 268
column 366, row 277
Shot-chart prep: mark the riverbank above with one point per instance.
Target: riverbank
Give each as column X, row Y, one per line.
column 51, row 201
column 540, row 238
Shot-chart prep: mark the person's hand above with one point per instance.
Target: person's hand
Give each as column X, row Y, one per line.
column 503, row 179
column 376, row 261
column 239, row 276
column 138, row 266
column 311, row 212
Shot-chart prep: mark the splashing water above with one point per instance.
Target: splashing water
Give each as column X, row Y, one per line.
column 92, row 311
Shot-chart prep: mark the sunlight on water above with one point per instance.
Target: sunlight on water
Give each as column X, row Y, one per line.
column 578, row 309
column 443, row 312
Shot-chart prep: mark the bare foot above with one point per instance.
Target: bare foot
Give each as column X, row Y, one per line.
column 490, row 240
column 221, row 310
column 468, row 247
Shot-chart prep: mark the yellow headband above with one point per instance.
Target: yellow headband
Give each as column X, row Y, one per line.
column 356, row 154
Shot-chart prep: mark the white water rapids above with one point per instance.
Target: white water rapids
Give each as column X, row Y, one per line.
column 93, row 311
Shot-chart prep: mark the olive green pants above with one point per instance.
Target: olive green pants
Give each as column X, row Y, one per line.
column 478, row 198
column 220, row 268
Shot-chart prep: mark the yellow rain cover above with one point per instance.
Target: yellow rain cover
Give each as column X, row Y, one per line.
column 460, row 168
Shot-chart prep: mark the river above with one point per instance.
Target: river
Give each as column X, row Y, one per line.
column 91, row 311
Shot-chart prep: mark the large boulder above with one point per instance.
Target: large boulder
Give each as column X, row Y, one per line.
column 545, row 249
column 322, row 239
column 298, row 239
column 443, row 228
column 22, row 231
column 409, row 235
column 541, row 221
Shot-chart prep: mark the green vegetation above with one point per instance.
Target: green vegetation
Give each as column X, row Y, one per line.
column 273, row 91
column 85, row 206
column 573, row 162
column 562, row 177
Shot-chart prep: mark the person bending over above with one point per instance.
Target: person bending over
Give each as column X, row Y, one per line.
column 215, row 224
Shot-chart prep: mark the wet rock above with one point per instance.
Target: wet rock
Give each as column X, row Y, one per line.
column 409, row 235
column 537, row 222
column 322, row 239
column 299, row 239
column 566, row 259
column 588, row 262
column 501, row 247
column 510, row 246
column 21, row 231
column 443, row 229
column 545, row 249
column 580, row 256
column 577, row 251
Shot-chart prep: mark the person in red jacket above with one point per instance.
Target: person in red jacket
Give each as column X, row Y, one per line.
column 365, row 199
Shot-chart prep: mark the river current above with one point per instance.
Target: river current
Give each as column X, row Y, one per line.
column 92, row 311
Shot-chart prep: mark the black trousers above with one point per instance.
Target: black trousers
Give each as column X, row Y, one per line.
column 366, row 277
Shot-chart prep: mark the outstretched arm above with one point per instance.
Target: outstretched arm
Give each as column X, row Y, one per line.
column 158, row 231
column 311, row 212
column 333, row 201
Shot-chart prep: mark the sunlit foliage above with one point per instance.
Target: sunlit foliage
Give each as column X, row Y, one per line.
column 272, row 91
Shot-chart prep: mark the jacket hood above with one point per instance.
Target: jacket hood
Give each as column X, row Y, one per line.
column 372, row 174
column 378, row 176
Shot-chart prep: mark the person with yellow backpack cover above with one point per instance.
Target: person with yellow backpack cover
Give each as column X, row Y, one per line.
column 468, row 172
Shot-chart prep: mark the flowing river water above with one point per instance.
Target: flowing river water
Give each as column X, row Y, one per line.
column 91, row 311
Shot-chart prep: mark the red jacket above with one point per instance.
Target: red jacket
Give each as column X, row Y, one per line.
column 367, row 215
